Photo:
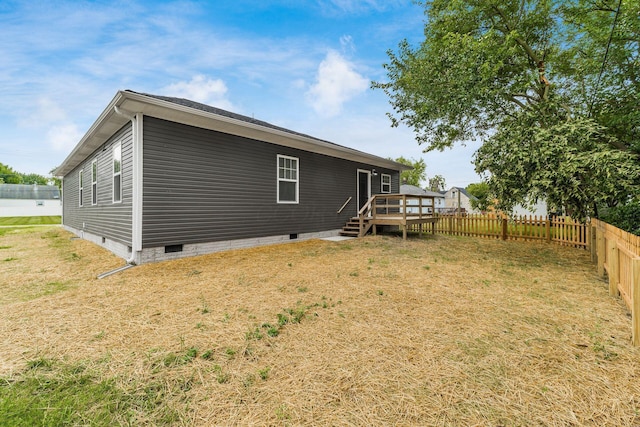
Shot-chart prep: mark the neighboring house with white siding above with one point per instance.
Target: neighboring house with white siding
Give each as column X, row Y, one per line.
column 29, row 200
column 539, row 209
column 457, row 198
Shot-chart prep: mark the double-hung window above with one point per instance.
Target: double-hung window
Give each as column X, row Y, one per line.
column 288, row 179
column 117, row 173
column 80, row 187
column 94, row 182
column 385, row 183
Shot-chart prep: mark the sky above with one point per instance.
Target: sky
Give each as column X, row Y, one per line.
column 305, row 65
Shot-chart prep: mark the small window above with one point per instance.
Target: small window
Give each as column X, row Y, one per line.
column 80, row 187
column 117, row 173
column 287, row 179
column 385, row 183
column 94, row 182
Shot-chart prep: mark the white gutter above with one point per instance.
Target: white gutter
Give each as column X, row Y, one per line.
column 136, row 209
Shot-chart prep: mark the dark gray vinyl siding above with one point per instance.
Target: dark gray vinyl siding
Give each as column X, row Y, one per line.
column 206, row 186
column 106, row 219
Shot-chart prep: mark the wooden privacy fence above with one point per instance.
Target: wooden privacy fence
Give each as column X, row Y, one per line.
column 617, row 253
column 558, row 229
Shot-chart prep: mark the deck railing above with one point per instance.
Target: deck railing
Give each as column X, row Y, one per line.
column 402, row 205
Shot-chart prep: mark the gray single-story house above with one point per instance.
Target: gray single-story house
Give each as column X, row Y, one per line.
column 159, row 177
column 29, row 200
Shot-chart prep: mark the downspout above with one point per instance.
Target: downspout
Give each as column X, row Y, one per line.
column 136, row 209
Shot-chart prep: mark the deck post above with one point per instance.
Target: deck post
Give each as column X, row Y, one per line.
column 404, row 231
column 635, row 301
column 404, row 208
column 614, row 269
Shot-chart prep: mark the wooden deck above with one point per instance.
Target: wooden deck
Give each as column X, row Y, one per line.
column 397, row 209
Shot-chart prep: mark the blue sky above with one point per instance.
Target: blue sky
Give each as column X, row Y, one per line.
column 303, row 65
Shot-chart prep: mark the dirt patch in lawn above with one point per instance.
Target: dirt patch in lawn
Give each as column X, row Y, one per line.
column 375, row 331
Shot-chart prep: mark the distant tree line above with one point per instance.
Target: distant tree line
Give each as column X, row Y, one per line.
column 10, row 176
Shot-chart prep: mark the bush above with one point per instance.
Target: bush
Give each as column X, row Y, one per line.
column 625, row 217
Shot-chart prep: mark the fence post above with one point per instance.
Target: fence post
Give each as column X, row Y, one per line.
column 635, row 300
column 602, row 248
column 614, row 267
column 548, row 228
column 593, row 242
column 504, row 228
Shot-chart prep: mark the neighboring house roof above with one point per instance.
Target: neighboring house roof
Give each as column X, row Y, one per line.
column 127, row 103
column 463, row 191
column 412, row 189
column 434, row 193
column 29, row 192
column 417, row 191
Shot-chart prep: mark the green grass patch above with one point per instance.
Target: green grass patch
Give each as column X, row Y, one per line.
column 30, row 220
column 51, row 393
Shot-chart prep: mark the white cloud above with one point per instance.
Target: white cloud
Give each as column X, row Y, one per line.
column 336, row 83
column 63, row 137
column 333, row 7
column 201, row 89
column 346, row 42
column 43, row 113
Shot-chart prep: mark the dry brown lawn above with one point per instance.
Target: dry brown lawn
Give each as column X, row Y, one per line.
column 375, row 331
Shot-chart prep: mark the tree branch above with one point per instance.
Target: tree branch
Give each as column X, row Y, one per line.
column 515, row 100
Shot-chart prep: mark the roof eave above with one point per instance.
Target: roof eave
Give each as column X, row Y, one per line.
column 109, row 122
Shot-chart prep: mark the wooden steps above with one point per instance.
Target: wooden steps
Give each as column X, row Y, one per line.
column 352, row 227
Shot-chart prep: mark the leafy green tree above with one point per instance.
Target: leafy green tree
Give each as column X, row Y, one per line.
column 482, row 195
column 437, row 183
column 34, row 178
column 9, row 176
column 549, row 86
column 414, row 176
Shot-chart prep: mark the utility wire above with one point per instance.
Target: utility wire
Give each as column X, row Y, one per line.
column 606, row 55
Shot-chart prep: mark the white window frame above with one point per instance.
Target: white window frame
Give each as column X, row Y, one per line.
column 116, row 174
column 80, row 187
column 94, row 182
column 383, row 184
column 296, row 180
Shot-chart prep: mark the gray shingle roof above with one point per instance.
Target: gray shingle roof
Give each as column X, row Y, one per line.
column 417, row 191
column 29, row 192
column 224, row 113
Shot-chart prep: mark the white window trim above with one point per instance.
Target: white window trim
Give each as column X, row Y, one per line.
column 382, row 184
column 119, row 173
column 278, row 179
column 80, row 187
column 94, row 183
